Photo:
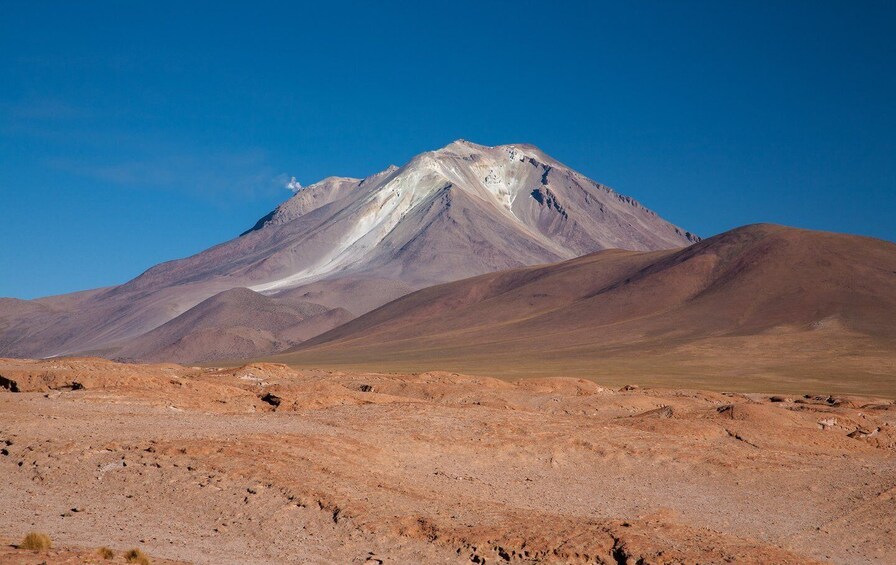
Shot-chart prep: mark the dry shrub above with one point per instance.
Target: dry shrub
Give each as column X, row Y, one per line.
column 35, row 540
column 106, row 553
column 137, row 556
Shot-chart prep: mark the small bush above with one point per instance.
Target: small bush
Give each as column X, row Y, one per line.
column 106, row 553
column 137, row 556
column 34, row 540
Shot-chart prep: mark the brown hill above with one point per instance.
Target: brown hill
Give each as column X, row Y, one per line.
column 234, row 323
column 754, row 308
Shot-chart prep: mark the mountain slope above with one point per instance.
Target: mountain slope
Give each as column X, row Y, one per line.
column 236, row 323
column 463, row 210
column 756, row 300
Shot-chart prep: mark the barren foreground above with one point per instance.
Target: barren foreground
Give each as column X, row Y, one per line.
column 263, row 464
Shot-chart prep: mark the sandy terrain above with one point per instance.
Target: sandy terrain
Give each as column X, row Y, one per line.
column 263, row 464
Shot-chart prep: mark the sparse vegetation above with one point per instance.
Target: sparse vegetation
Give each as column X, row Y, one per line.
column 106, row 553
column 137, row 556
column 36, row 541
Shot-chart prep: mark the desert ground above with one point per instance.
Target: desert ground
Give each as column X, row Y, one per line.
column 822, row 361
column 268, row 464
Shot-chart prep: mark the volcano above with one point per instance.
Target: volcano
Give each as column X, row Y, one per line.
column 353, row 245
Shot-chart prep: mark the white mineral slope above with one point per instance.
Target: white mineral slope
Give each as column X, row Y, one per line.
column 463, row 210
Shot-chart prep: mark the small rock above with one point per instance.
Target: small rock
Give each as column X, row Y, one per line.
column 827, row 423
column 9, row 384
column 661, row 412
column 272, row 399
column 861, row 433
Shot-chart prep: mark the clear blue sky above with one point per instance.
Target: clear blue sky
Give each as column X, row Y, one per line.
column 137, row 132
